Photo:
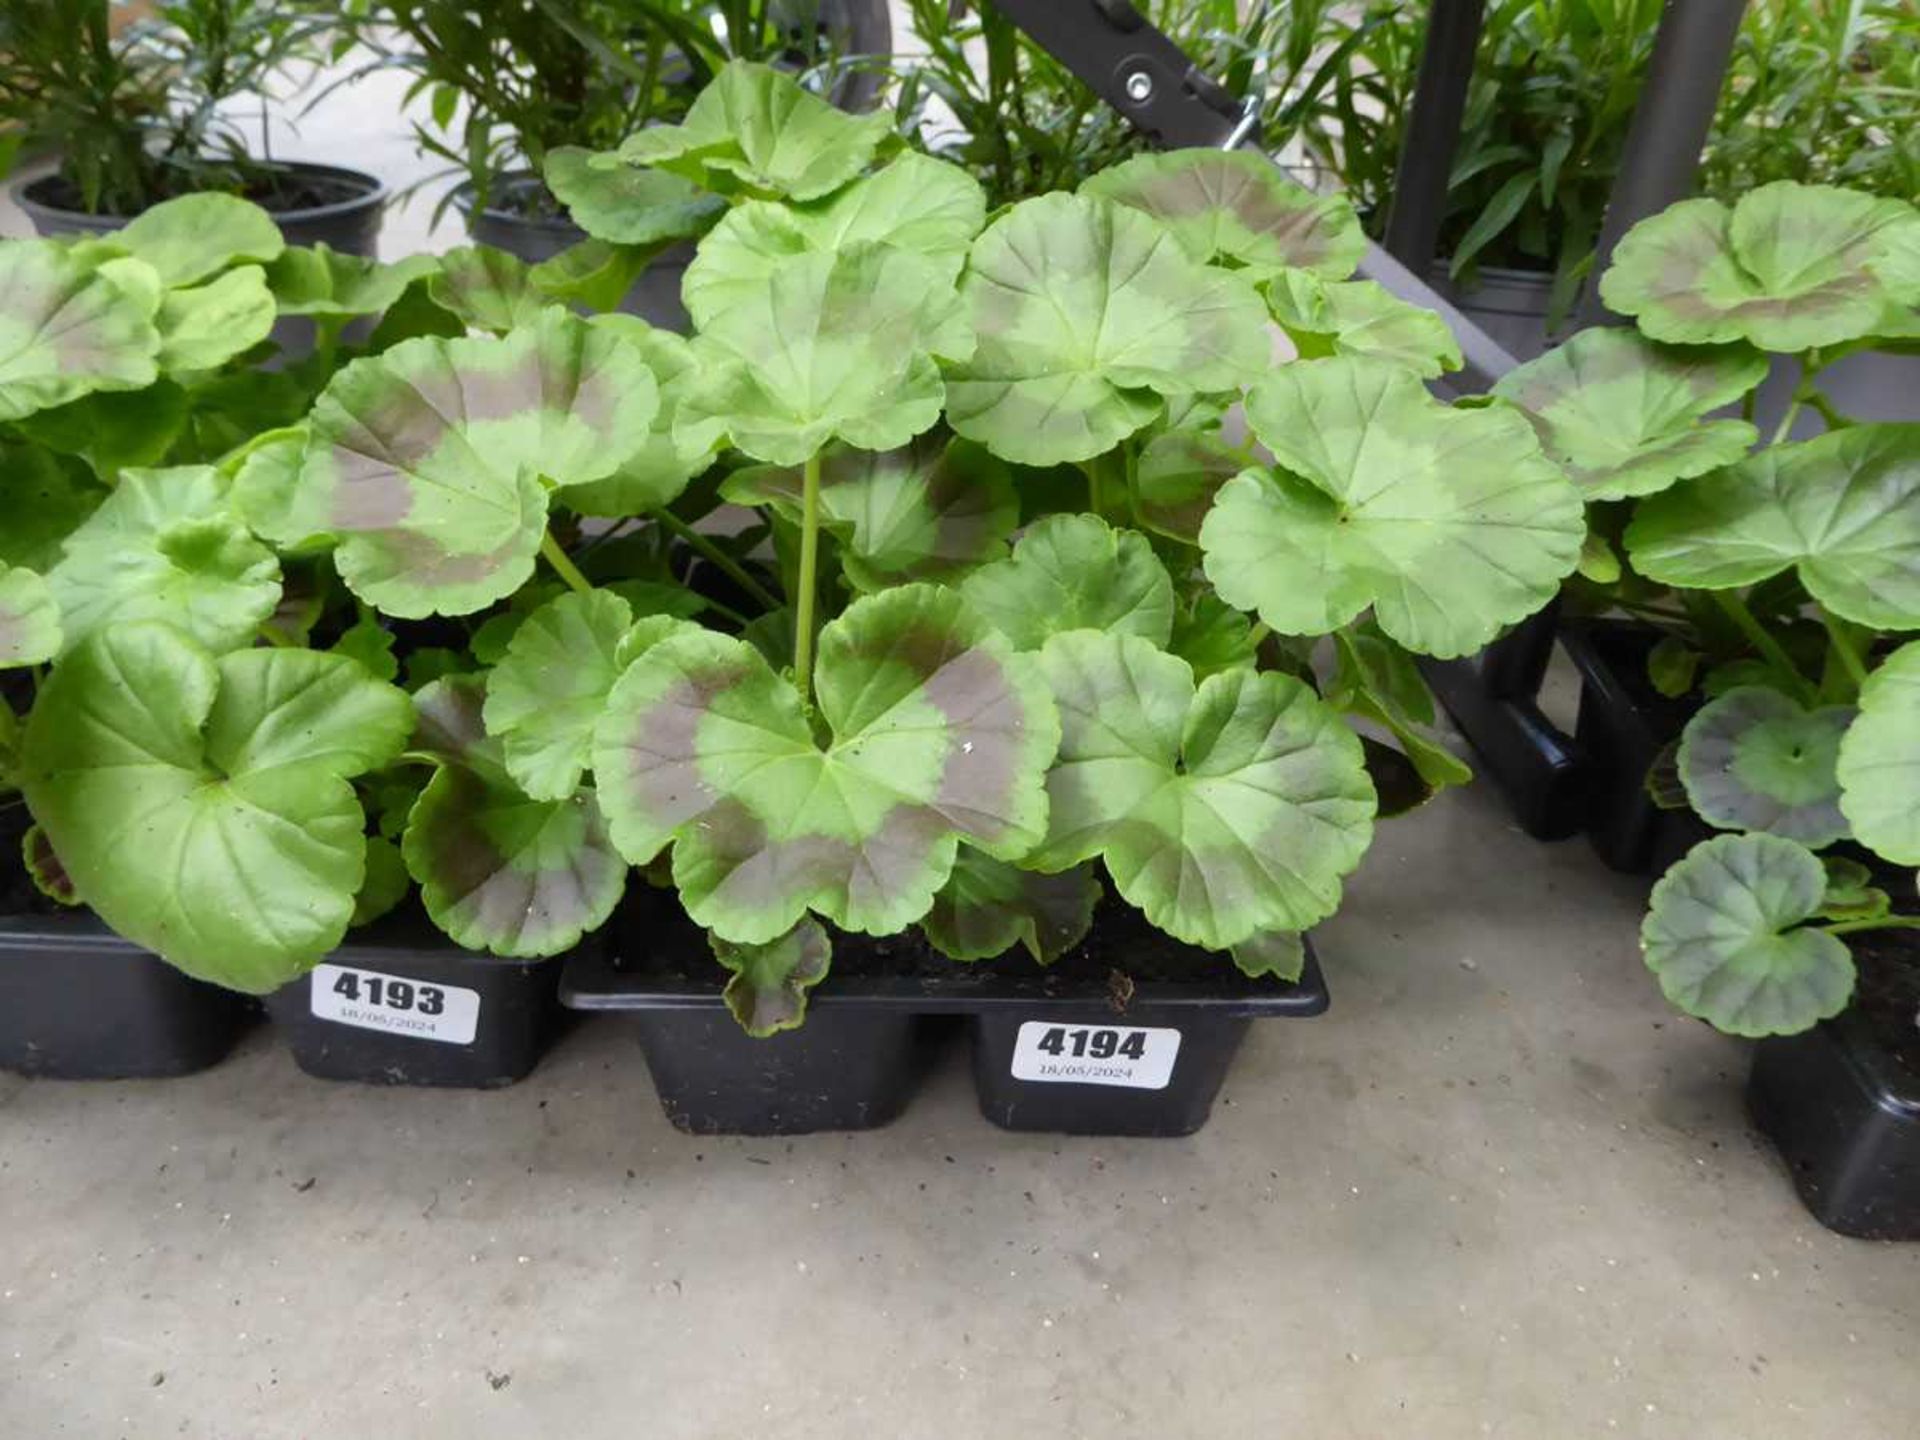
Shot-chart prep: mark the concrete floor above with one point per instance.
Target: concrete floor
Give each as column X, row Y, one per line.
column 1498, row 1191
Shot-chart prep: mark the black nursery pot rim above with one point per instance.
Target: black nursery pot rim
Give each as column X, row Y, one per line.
column 509, row 182
column 373, row 194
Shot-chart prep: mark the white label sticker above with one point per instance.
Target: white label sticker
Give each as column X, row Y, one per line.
column 399, row 1006
column 1140, row 1059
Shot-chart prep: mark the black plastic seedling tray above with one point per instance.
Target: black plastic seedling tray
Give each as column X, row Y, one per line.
column 401, row 1005
column 79, row 1003
column 1130, row 1035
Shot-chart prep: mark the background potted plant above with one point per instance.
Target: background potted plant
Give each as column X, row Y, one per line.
column 510, row 88
column 147, row 111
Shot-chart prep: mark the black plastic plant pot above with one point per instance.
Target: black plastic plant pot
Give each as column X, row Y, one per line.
column 1623, row 725
column 345, row 212
column 79, row 1003
column 403, row 1006
column 514, row 221
column 1131, row 1034
column 1842, row 1101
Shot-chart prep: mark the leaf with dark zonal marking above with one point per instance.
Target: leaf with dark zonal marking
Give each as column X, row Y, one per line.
column 499, row 871
column 167, row 545
column 930, row 511
column 655, row 474
column 1088, row 313
column 768, row 989
column 1842, row 510
column 202, row 804
column 1075, row 572
column 43, row 867
column 432, row 462
column 1223, row 811
column 988, row 906
column 1787, row 268
column 1879, row 765
column 1236, row 205
column 67, row 331
column 1179, row 473
column 1725, row 936
column 938, row 732
column 1755, row 759
column 487, row 288
column 1624, row 416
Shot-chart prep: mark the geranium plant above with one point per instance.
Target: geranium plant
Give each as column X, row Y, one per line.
column 1004, row 616
column 1786, row 578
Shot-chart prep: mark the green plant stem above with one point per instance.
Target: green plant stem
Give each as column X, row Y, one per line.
column 1096, row 490
column 1259, row 633
column 1824, row 407
column 563, row 567
column 1785, row 427
column 809, row 566
column 274, row 638
column 1885, row 922
column 1735, row 609
column 719, row 559
column 1843, row 645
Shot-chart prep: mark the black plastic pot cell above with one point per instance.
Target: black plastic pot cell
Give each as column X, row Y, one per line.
column 1131, row 1034
column 1623, row 725
column 79, row 1003
column 1842, row 1101
column 403, row 1007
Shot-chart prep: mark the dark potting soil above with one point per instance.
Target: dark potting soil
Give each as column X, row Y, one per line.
column 279, row 192
column 1887, row 998
column 657, row 937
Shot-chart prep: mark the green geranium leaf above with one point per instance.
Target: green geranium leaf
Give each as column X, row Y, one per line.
column 1787, row 268
column 197, row 236
column 988, row 906
column 653, row 476
column 938, row 731
column 112, row 430
column 1879, row 764
column 1236, row 205
column 1673, row 667
column 755, row 132
column 386, row 884
column 1623, row 416
column 487, row 288
column 1851, row 894
column 1376, row 679
column 1223, row 811
column 432, row 461
column 768, row 991
column 29, row 618
column 371, row 644
column 1179, row 473
column 202, row 804
column 1087, row 314
column 325, row 285
column 1359, row 317
column 43, row 867
column 45, row 499
column 929, row 511
column 499, row 871
column 1277, row 953
column 1719, row 935
column 628, row 206
column 545, row 696
column 1842, row 509
column 916, row 203
column 594, row 275
column 1754, row 759
column 832, row 345
column 167, row 545
column 1211, row 636
column 208, row 325
column 1075, row 572
column 66, row 331
column 1450, row 523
